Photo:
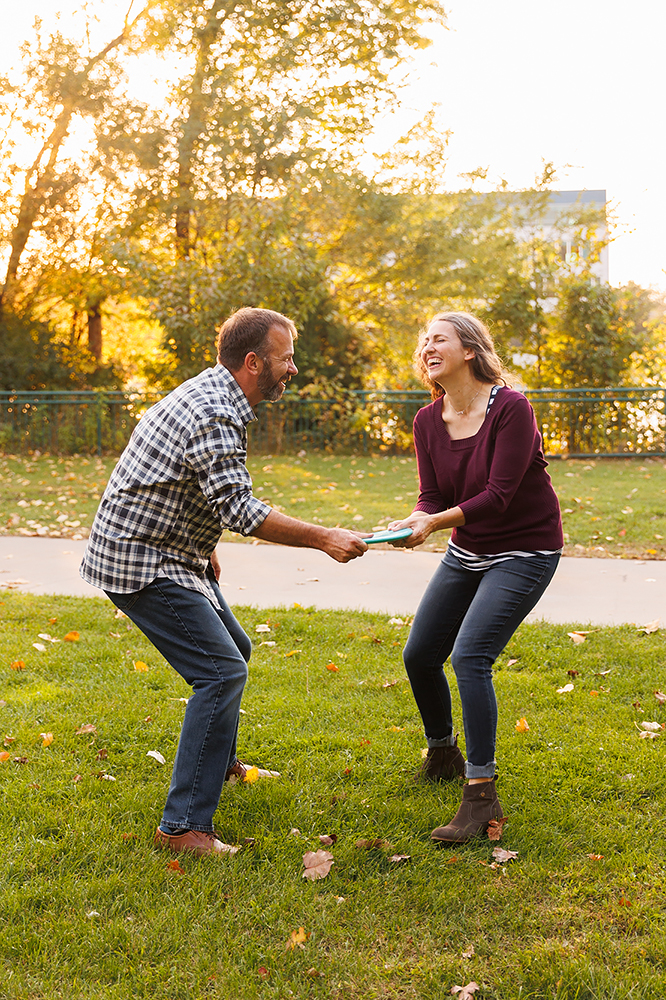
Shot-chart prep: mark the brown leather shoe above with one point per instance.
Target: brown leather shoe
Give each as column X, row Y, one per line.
column 442, row 764
column 195, row 842
column 236, row 772
column 480, row 804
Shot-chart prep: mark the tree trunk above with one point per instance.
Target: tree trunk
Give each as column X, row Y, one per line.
column 94, row 310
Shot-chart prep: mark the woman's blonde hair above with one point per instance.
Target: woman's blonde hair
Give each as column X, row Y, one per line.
column 474, row 336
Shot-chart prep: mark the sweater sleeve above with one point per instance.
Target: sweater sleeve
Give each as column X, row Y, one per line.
column 430, row 498
column 517, row 443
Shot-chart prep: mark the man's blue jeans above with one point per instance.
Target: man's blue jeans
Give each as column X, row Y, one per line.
column 210, row 650
column 469, row 615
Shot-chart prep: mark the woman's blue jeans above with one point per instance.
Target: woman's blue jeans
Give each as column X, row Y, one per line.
column 210, row 650
column 469, row 615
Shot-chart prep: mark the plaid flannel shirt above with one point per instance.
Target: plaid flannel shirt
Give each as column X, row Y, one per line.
column 180, row 481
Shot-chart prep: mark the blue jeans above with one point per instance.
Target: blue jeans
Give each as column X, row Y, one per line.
column 210, row 650
column 469, row 615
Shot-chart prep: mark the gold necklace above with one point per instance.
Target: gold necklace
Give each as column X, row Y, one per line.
column 461, row 413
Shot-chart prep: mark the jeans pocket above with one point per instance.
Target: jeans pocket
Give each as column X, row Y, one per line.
column 124, row 601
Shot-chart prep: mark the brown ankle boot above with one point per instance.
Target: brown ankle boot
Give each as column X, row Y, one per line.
column 479, row 805
column 442, row 764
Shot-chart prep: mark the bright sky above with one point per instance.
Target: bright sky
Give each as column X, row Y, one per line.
column 580, row 82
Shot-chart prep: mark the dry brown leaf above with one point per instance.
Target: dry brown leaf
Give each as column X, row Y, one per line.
column 317, row 864
column 313, row 974
column 47, row 739
column 578, row 636
column 465, row 992
column 510, row 663
column 71, row 637
column 469, row 952
column 87, row 728
column 297, row 938
column 328, row 839
column 174, row 866
column 660, row 696
column 495, row 828
column 389, row 684
column 400, row 859
column 650, row 627
column 502, row 855
column 595, row 857
column 573, row 673
column 522, row 726
column 565, row 689
column 19, row 760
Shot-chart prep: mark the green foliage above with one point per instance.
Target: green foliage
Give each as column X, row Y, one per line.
column 30, row 358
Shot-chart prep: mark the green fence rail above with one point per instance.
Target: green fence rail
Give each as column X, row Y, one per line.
column 574, row 422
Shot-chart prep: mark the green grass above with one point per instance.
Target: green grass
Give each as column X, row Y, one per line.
column 91, row 910
column 611, row 507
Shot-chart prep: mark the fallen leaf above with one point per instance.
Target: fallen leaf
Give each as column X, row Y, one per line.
column 332, row 667
column 174, row 866
column 510, row 663
column 77, row 778
column 565, row 689
column 47, row 739
column 103, row 776
column 595, row 857
column 19, row 760
column 522, row 726
column 465, row 992
column 652, row 727
column 400, row 859
column 573, row 673
column 228, row 848
column 4, row 756
column 17, row 665
column 156, row 755
column 372, row 845
column 396, row 729
column 92, row 913
column 102, row 754
column 650, row 627
column 469, row 952
column 262, row 628
column 46, row 637
column 8, row 740
column 294, row 832
column 251, row 775
column 502, row 855
column 327, row 839
column 578, row 636
column 140, row 666
column 268, row 643
column 317, row 864
column 71, row 637
column 262, row 971
column 660, row 696
column 495, row 828
column 87, row 728
column 389, row 684
column 648, row 736
column 396, row 621
column 298, row 937
column 623, row 901
column 292, row 652
column 602, row 673
column 313, row 974
column 119, row 614
column 594, row 694
column 39, row 646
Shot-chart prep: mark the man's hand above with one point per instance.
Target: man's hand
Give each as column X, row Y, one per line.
column 343, row 545
column 215, row 563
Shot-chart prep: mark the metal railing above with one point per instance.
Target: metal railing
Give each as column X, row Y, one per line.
column 574, row 422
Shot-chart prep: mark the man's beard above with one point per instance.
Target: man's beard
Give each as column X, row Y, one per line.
column 270, row 390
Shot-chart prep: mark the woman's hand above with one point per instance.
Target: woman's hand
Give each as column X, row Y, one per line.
column 421, row 525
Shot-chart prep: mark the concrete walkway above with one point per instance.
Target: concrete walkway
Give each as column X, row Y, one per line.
column 586, row 591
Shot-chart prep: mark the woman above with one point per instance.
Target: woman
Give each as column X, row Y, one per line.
column 481, row 473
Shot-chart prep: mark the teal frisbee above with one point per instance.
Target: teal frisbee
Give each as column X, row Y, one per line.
column 388, row 536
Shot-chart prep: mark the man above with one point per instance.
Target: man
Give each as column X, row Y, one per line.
column 179, row 482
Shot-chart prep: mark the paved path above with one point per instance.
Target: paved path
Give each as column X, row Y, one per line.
column 589, row 591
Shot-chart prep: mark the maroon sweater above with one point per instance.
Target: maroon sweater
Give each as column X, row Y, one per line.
column 497, row 477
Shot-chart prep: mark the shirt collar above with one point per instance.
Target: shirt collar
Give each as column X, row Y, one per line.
column 238, row 397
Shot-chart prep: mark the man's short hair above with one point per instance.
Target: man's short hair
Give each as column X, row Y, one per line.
column 246, row 331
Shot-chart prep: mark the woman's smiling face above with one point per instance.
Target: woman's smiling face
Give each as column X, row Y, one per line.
column 442, row 351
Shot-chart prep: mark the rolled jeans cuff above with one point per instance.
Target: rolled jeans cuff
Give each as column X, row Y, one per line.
column 446, row 741
column 480, row 770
